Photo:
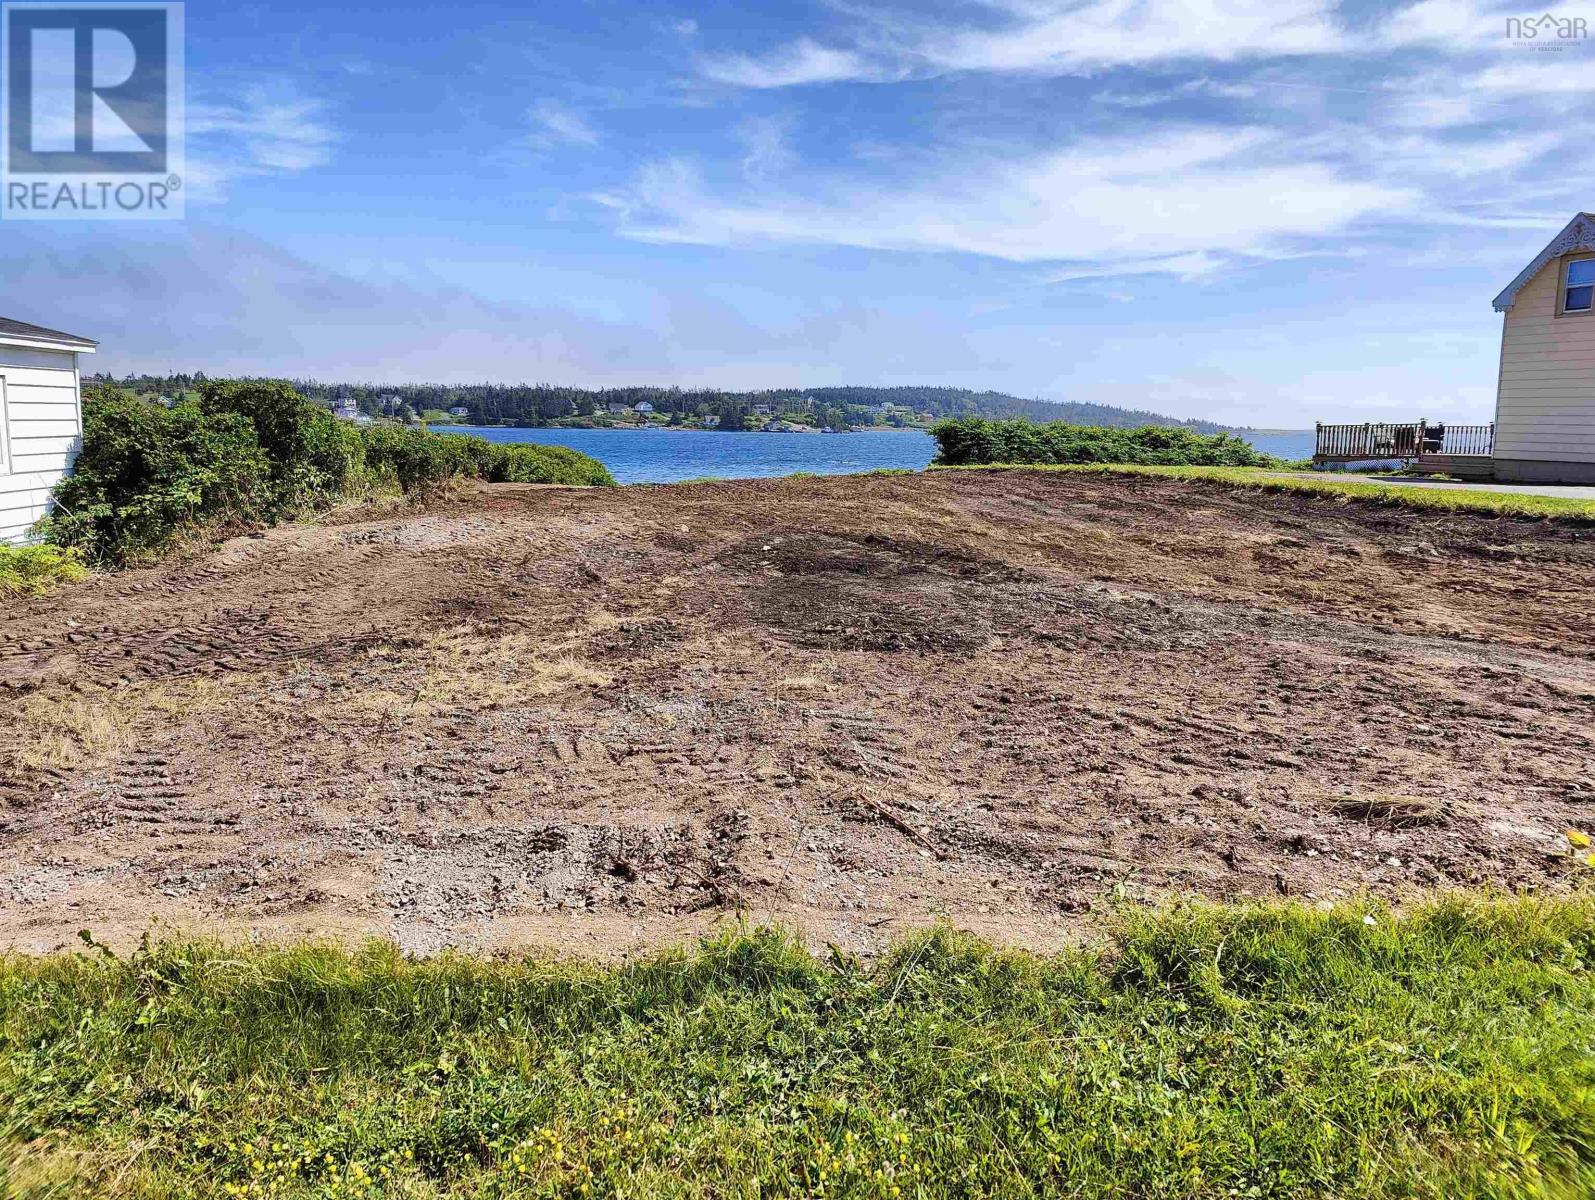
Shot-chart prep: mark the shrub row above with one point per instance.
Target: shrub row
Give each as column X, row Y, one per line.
column 970, row 441
column 251, row 453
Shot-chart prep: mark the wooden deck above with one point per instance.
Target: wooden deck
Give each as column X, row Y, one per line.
column 1465, row 451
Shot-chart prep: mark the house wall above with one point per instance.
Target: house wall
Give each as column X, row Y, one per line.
column 1545, row 407
column 42, row 428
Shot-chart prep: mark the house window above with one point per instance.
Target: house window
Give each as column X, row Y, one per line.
column 1579, row 294
column 5, row 431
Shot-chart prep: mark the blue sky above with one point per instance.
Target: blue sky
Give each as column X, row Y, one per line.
column 1261, row 213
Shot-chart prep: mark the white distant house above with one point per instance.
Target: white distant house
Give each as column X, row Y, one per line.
column 41, row 420
column 345, row 408
column 459, row 410
column 645, row 407
column 1545, row 398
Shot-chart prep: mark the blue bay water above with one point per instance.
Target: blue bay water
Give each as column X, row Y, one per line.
column 670, row 455
column 1291, row 445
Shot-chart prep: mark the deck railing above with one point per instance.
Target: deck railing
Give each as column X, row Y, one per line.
column 1349, row 443
column 1462, row 439
column 1381, row 440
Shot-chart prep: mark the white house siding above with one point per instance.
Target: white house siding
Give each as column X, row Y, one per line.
column 1545, row 410
column 43, row 431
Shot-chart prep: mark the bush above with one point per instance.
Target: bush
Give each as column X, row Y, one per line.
column 147, row 473
column 975, row 440
column 253, row 452
column 30, row 570
column 415, row 460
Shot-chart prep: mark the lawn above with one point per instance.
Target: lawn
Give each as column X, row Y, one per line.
column 1366, row 491
column 1195, row 1051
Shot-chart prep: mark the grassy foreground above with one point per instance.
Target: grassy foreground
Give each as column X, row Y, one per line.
column 1255, row 1052
column 1367, row 491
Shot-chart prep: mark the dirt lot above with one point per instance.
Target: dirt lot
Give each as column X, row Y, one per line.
column 599, row 720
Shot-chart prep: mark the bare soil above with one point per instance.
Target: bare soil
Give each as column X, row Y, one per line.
column 599, row 720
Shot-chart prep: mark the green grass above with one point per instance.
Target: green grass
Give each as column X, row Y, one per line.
column 1500, row 504
column 1197, row 1052
column 33, row 570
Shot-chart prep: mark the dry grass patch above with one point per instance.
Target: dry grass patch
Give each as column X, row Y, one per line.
column 1396, row 812
column 462, row 668
column 62, row 729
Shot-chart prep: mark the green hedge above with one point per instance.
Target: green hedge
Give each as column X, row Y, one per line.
column 971, row 441
column 251, row 453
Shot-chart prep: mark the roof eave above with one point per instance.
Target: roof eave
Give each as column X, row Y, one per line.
column 1577, row 234
column 31, row 343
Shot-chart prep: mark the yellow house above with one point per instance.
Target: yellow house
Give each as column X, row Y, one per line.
column 1545, row 400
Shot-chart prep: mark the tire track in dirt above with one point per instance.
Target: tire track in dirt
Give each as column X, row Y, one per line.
column 590, row 717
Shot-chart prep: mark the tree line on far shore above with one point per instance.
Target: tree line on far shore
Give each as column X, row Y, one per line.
column 542, row 404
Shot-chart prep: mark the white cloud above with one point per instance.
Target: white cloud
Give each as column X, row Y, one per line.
column 804, row 61
column 1546, row 75
column 1059, row 37
column 1102, row 202
column 1451, row 24
column 271, row 129
column 1195, row 265
column 767, row 151
column 555, row 124
column 1067, row 38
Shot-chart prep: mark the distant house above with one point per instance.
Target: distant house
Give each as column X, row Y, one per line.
column 459, row 410
column 711, row 422
column 344, row 408
column 41, row 420
column 645, row 407
column 762, row 410
column 1545, row 396
column 619, row 410
column 389, row 403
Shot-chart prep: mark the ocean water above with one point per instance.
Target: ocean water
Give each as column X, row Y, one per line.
column 669, row 456
column 1290, row 445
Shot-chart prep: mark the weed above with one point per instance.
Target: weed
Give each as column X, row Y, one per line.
column 34, row 570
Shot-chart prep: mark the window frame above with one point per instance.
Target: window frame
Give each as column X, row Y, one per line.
column 1561, row 294
column 5, row 430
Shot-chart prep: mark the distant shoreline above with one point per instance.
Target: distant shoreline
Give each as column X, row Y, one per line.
column 680, row 429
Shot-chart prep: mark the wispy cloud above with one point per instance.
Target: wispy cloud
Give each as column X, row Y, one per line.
column 557, row 124
column 271, row 129
column 1176, row 202
column 803, row 61
column 1046, row 37
column 768, row 153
